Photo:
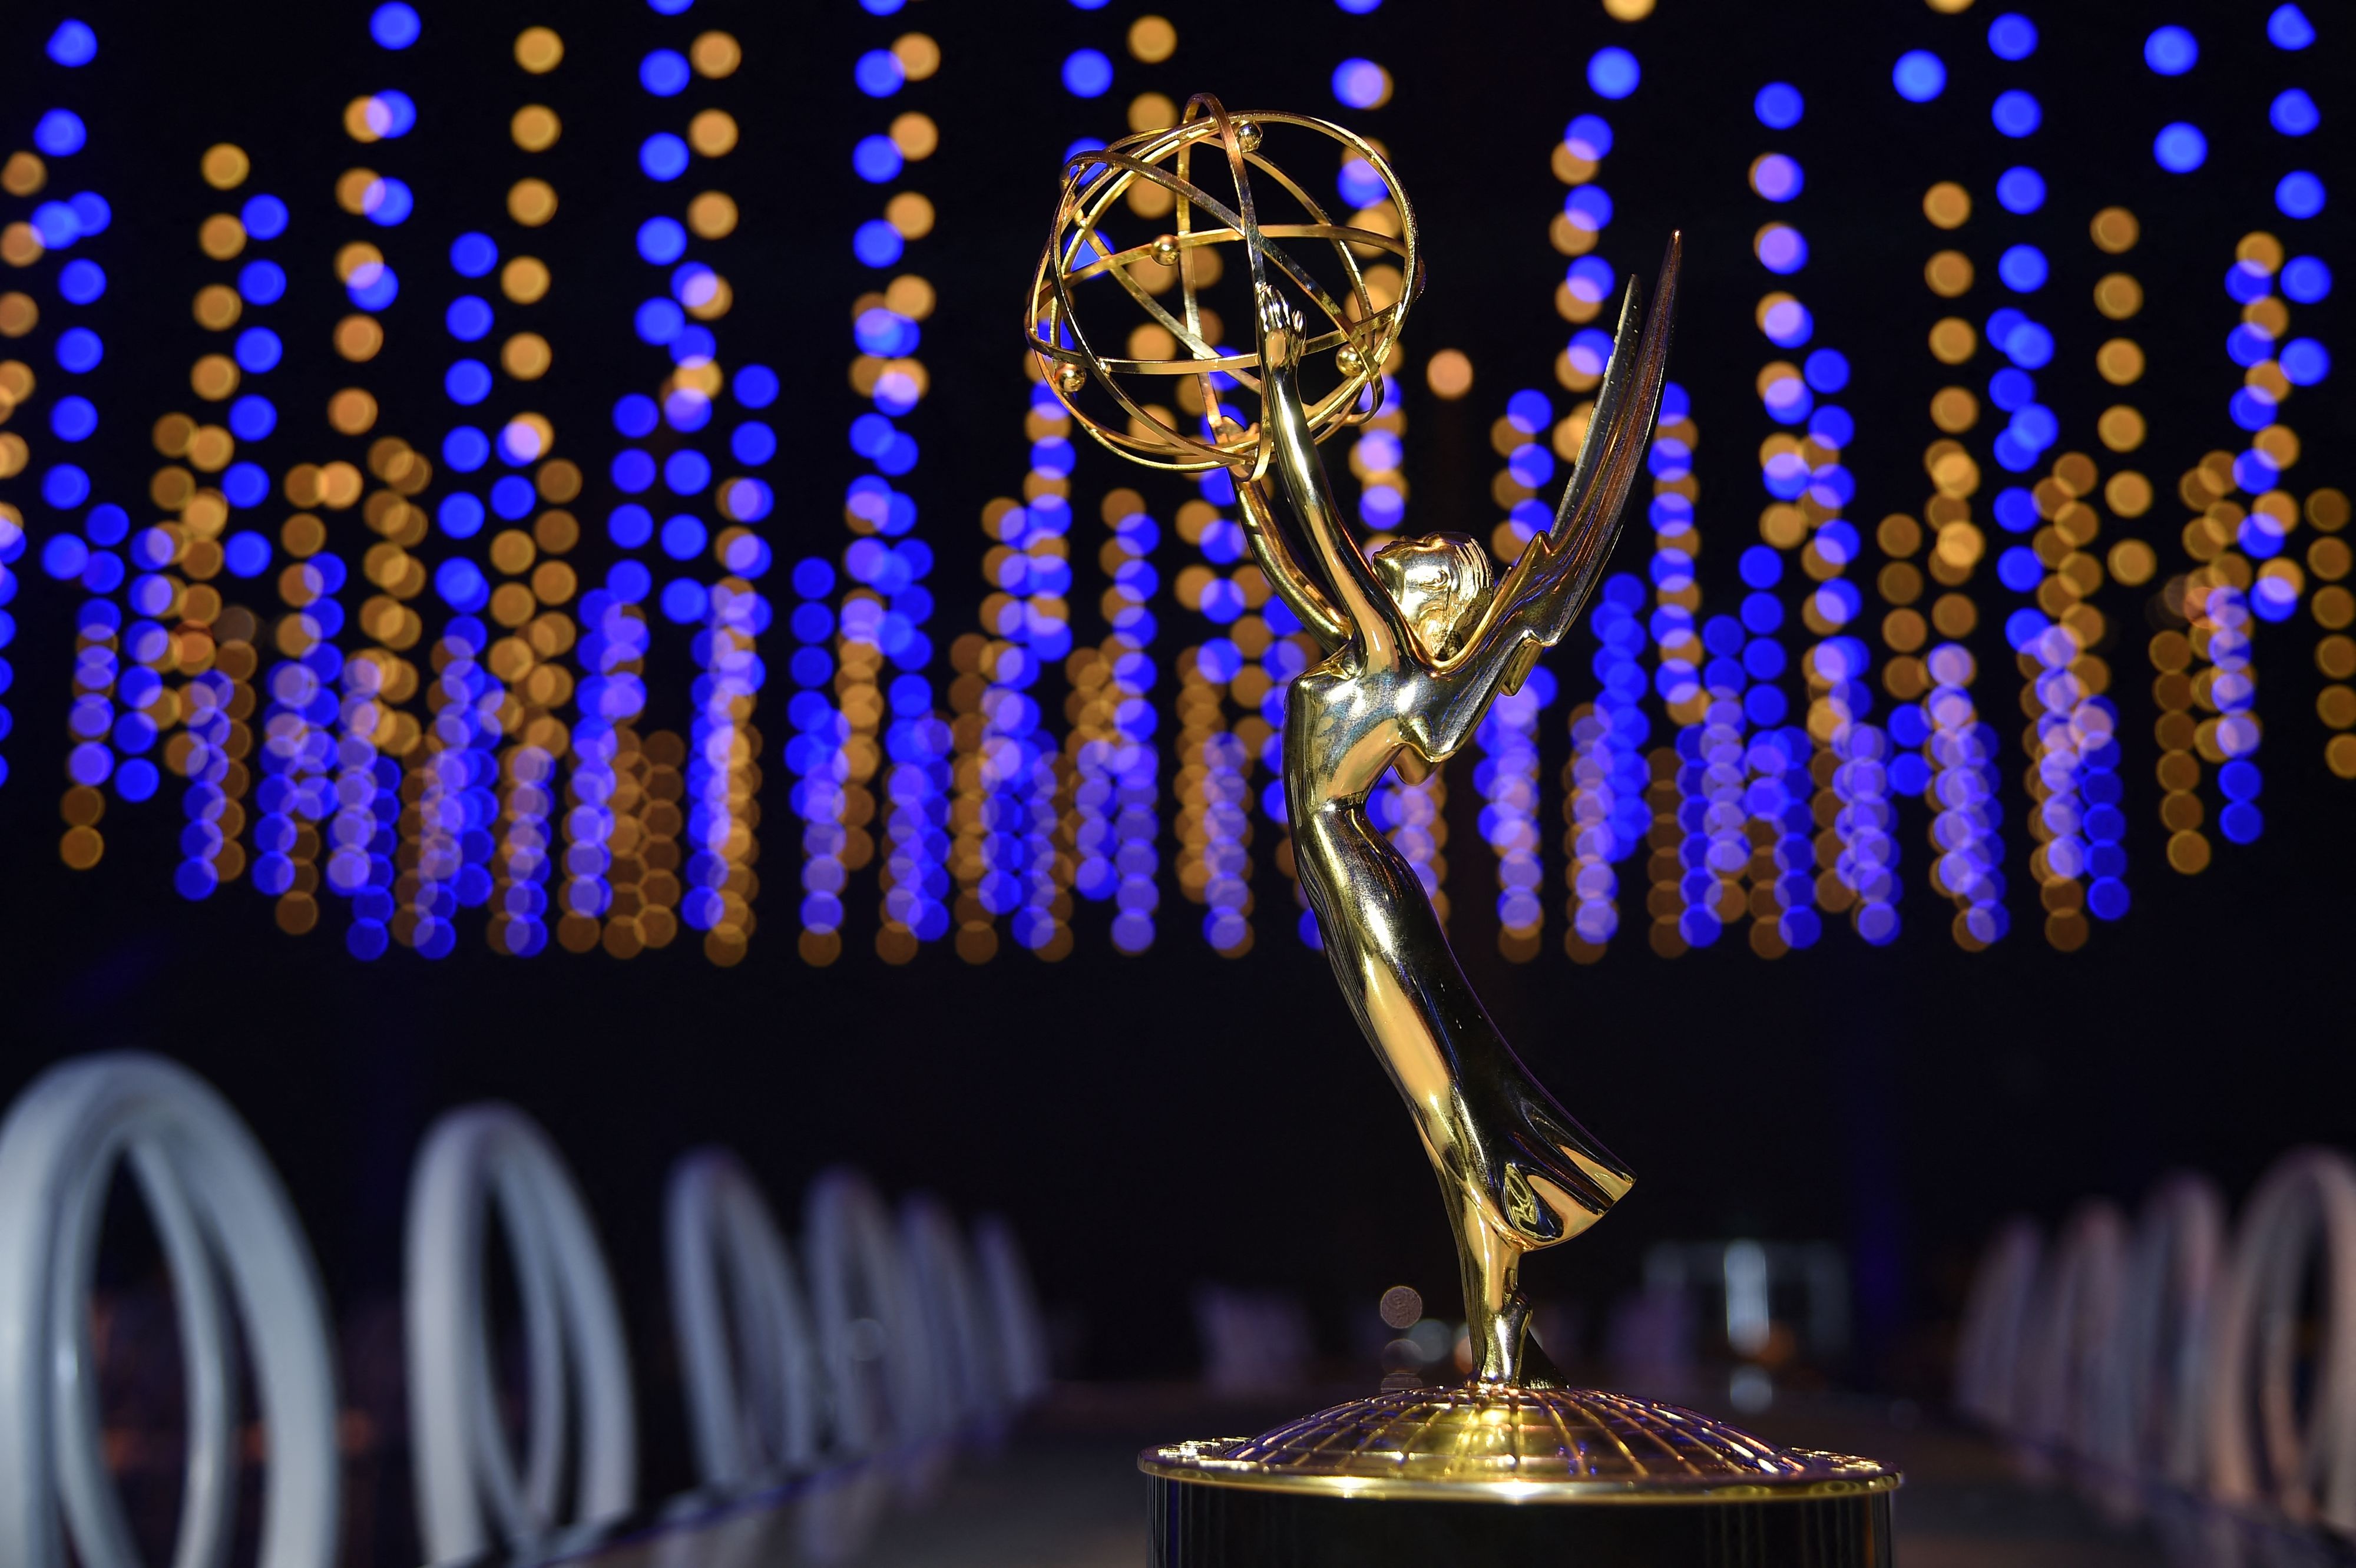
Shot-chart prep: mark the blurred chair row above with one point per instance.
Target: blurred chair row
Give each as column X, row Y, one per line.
column 859, row 1364
column 2175, row 1366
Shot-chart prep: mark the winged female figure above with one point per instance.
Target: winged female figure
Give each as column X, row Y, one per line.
column 1418, row 643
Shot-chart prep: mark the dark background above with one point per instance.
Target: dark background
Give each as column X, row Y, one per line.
column 1153, row 1121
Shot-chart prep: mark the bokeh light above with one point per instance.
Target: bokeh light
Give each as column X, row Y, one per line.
column 1919, row 76
column 2170, row 50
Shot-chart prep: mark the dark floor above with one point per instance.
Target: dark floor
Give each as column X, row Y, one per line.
column 1067, row 1494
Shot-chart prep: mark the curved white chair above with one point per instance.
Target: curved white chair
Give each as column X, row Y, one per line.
column 470, row 1496
column 2151, row 1420
column 1987, row 1353
column 2072, row 1333
column 1021, row 1345
column 969, row 1401
column 716, row 1223
column 877, row 1367
column 2259, row 1448
column 220, row 1213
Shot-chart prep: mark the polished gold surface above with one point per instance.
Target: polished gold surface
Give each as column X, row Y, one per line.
column 1494, row 1444
column 1418, row 643
column 1080, row 266
column 1419, row 646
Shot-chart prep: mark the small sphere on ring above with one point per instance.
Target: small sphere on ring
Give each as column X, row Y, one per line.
column 1070, row 377
column 1166, row 249
column 1247, row 135
column 1348, row 360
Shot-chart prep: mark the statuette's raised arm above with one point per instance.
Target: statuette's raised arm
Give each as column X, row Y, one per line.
column 1362, row 604
column 1285, row 570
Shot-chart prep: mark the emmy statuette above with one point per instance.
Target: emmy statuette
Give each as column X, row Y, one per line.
column 1417, row 641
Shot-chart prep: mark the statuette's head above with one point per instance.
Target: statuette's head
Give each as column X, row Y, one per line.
column 1441, row 583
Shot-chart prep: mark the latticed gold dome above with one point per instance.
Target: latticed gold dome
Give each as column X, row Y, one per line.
column 1517, row 1445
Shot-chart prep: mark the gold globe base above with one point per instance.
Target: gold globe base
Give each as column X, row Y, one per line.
column 1575, row 1475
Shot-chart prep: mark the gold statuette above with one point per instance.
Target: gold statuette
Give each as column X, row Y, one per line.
column 1419, row 642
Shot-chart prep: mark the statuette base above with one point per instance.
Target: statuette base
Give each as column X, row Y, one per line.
column 1575, row 1476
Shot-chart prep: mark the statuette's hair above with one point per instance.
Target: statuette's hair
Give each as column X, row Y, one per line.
column 1465, row 566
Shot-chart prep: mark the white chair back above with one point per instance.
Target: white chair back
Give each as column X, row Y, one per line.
column 877, row 1367
column 1995, row 1314
column 221, row 1213
column 968, row 1399
column 718, row 1224
column 1022, row 1335
column 2260, row 1449
column 2153, row 1419
column 471, row 1495
column 2072, row 1333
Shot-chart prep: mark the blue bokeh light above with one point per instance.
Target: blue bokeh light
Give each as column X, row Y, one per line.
column 473, row 255
column 262, row 283
column 399, row 114
column 1589, row 136
column 2305, row 361
column 2288, row 28
column 757, row 386
column 252, row 417
column 389, row 201
column 2306, row 279
column 1777, row 177
column 1919, row 76
column 2170, row 50
column 73, row 418
column 467, row 381
column 1360, row 84
column 259, row 349
column 2016, row 114
column 373, row 285
column 1779, row 106
column 2020, row 189
column 1614, row 72
column 1087, row 73
column 879, row 73
column 264, row 217
column 2023, row 269
column 877, row 244
column 246, row 554
column 2299, row 194
column 61, row 134
column 1360, row 184
column 81, row 281
column 2293, row 112
column 662, row 241
column 663, row 156
column 80, row 350
column 395, row 24
column 2179, row 148
column 469, row 319
column 665, row 73
column 1782, row 249
column 876, row 159
column 465, row 448
column 73, row 44
column 2012, row 36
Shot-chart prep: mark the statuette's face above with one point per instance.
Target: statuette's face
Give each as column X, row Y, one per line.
column 1440, row 583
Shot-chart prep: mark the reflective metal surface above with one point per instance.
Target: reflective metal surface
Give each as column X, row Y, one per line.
column 1419, row 644
column 1517, row 1446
